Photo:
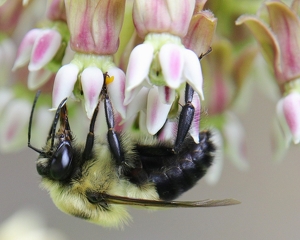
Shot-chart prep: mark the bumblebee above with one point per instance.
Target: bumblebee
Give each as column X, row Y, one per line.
column 94, row 180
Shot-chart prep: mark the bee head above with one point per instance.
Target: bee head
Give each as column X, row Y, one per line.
column 55, row 160
column 56, row 164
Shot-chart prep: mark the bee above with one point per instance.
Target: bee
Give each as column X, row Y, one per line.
column 95, row 180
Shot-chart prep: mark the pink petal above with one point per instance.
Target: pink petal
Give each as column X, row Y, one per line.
column 13, row 128
column 192, row 72
column 25, row 48
column 92, row 82
column 157, row 112
column 289, row 107
column 56, row 10
column 147, row 17
column 44, row 49
column 64, row 83
column 166, row 94
column 171, row 16
column 172, row 60
column 116, row 90
column 286, row 26
column 38, row 78
column 168, row 130
column 200, row 33
column 265, row 37
column 95, row 25
column 138, row 65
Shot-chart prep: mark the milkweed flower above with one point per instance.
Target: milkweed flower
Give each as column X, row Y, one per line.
column 280, row 46
column 44, row 48
column 226, row 79
column 13, row 96
column 162, row 65
column 94, row 36
column 10, row 13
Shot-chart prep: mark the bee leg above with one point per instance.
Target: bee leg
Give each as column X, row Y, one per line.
column 185, row 118
column 129, row 165
column 90, row 137
column 112, row 137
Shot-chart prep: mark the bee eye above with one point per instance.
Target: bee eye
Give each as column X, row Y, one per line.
column 61, row 162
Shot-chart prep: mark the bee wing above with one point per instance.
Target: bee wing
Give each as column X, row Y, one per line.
column 167, row 204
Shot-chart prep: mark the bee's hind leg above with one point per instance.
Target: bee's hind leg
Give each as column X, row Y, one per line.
column 185, row 119
column 112, row 136
column 129, row 166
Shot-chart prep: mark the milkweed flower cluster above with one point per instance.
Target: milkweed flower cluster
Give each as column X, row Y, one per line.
column 157, row 69
column 76, row 44
column 145, row 53
column 280, row 46
column 222, row 97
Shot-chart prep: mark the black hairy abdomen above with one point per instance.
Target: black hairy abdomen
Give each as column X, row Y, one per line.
column 174, row 174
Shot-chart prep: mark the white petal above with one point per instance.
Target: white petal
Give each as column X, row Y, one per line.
column 195, row 126
column 8, row 51
column 44, row 49
column 130, row 95
column 92, row 82
column 289, row 108
column 7, row 58
column 168, row 132
column 116, row 90
column 282, row 122
column 192, row 72
column 64, row 83
column 166, row 94
column 101, row 125
column 280, row 140
column 37, row 79
column 68, row 56
column 40, row 127
column 143, row 122
column 157, row 112
column 139, row 103
column 138, row 66
column 234, row 135
column 25, row 48
column 80, row 123
column 214, row 172
column 6, row 95
column 171, row 59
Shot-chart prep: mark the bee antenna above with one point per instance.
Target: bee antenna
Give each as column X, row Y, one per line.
column 55, row 121
column 30, row 124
